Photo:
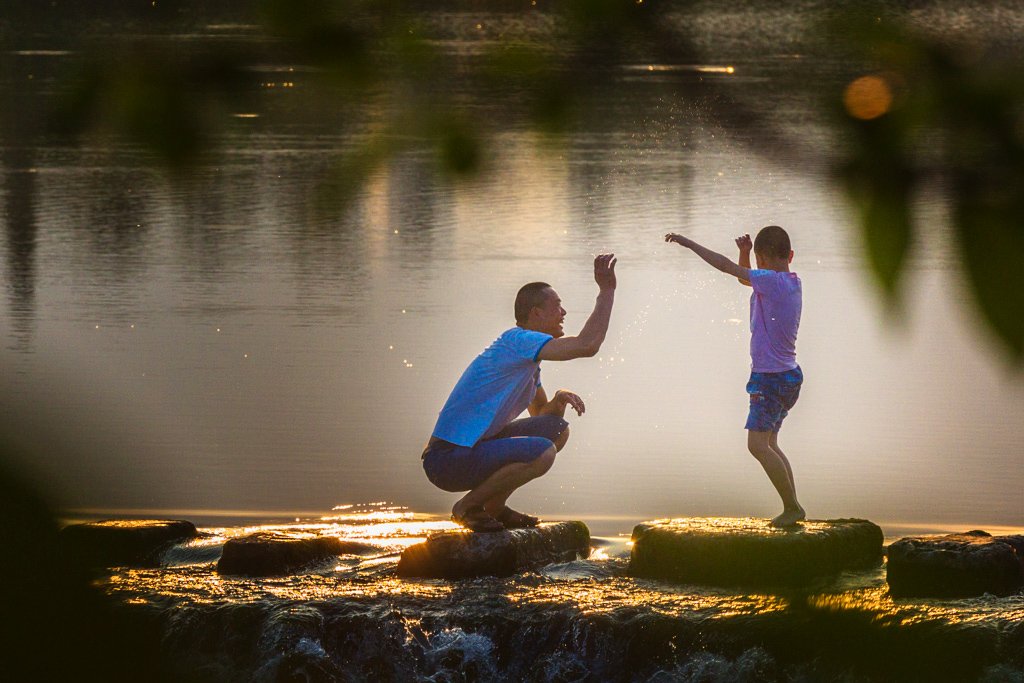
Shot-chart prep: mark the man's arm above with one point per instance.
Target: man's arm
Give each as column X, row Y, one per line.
column 556, row 406
column 745, row 245
column 713, row 258
column 589, row 340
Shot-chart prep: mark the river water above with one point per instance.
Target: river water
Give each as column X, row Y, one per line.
column 218, row 351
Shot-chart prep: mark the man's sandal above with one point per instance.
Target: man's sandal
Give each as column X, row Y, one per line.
column 475, row 518
column 516, row 520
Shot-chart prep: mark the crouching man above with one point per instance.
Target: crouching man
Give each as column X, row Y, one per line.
column 478, row 445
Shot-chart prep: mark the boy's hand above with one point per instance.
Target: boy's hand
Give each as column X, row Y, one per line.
column 567, row 398
column 604, row 271
column 678, row 239
column 745, row 243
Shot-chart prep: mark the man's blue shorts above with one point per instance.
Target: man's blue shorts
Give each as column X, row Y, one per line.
column 772, row 396
column 461, row 468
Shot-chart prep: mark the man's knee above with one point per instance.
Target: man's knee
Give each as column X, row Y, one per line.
column 562, row 438
column 546, row 459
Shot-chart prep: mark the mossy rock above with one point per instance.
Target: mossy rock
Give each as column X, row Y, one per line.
column 749, row 552
column 465, row 554
column 125, row 543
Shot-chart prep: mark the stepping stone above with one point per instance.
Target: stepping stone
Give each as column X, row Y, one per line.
column 748, row 552
column 124, row 543
column 272, row 554
column 465, row 554
column 955, row 566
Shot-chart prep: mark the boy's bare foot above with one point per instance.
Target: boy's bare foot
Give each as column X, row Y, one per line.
column 789, row 518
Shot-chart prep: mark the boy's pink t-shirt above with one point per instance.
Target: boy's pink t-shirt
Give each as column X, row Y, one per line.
column 775, row 309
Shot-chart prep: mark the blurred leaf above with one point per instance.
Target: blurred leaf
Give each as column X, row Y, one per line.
column 886, row 225
column 415, row 55
column 992, row 240
column 149, row 103
column 989, row 220
column 458, row 147
column 346, row 178
column 332, row 34
column 880, row 181
column 153, row 104
column 609, row 18
column 516, row 64
column 297, row 18
column 554, row 105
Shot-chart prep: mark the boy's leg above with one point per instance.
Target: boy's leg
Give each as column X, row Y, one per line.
column 772, row 395
column 773, row 441
column 779, row 472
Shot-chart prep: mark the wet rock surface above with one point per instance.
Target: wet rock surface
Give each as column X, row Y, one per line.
column 748, row 552
column 465, row 554
column 272, row 554
column 124, row 543
column 956, row 565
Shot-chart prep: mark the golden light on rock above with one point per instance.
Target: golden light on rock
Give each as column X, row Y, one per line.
column 867, row 97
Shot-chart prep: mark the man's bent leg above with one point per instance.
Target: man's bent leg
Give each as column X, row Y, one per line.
column 562, row 438
column 550, row 428
column 495, row 490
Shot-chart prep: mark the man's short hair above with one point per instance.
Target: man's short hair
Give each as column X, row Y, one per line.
column 530, row 296
column 773, row 242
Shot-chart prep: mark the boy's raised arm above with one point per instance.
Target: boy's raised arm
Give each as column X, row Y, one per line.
column 746, row 245
column 713, row 258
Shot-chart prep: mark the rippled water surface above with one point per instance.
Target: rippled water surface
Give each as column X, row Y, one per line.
column 216, row 345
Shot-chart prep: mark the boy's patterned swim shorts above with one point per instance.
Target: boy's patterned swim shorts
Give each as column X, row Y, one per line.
column 772, row 396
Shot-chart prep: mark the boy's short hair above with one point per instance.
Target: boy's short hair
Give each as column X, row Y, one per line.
column 773, row 242
column 530, row 296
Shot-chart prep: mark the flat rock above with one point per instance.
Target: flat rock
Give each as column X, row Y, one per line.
column 465, row 554
column 273, row 554
column 955, row 566
column 124, row 543
column 748, row 552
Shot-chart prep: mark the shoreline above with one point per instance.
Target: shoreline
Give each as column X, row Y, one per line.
column 600, row 525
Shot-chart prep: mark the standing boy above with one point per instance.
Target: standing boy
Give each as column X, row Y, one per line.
column 775, row 377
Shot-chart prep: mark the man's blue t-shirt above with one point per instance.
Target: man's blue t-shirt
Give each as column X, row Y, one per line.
column 496, row 387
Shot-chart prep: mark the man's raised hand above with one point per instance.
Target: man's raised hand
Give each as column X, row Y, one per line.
column 744, row 243
column 604, row 271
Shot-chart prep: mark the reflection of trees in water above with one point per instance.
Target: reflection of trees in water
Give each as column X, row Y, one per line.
column 115, row 221
column 937, row 109
column 627, row 147
column 19, row 117
column 20, row 233
column 215, row 215
column 416, row 204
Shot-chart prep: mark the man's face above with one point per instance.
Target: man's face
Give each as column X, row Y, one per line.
column 550, row 316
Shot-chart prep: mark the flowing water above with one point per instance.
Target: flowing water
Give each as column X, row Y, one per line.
column 351, row 618
column 215, row 350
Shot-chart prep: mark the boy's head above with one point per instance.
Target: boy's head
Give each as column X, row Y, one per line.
column 772, row 247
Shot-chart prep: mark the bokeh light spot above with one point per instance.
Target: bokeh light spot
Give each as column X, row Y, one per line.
column 867, row 97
